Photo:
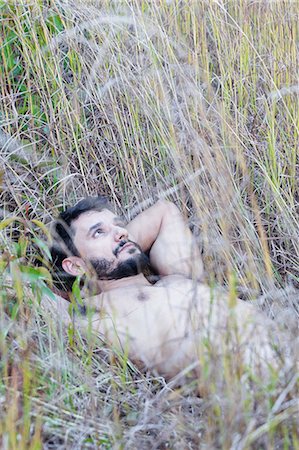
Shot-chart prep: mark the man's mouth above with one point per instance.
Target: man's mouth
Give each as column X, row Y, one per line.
column 122, row 246
column 126, row 246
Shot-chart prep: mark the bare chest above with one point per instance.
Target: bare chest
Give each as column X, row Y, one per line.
column 171, row 294
column 147, row 316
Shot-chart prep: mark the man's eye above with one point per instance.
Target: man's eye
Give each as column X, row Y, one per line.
column 97, row 232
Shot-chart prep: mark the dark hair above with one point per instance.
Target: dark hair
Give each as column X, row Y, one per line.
column 62, row 237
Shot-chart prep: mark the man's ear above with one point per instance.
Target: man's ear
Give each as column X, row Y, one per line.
column 74, row 265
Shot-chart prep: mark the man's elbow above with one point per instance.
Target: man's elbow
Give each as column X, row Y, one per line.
column 167, row 204
column 169, row 209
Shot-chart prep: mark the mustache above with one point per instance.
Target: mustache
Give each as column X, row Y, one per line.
column 122, row 243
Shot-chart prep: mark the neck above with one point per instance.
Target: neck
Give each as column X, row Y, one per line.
column 136, row 280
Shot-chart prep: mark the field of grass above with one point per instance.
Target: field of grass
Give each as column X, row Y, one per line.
column 195, row 101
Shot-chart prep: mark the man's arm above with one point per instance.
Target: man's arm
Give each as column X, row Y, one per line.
column 163, row 230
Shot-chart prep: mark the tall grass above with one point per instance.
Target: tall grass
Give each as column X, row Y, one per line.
column 195, row 101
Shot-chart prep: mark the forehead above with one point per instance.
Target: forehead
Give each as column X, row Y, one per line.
column 85, row 221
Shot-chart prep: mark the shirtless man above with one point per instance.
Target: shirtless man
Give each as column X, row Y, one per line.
column 169, row 325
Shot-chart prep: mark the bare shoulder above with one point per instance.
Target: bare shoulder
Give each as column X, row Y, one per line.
column 58, row 308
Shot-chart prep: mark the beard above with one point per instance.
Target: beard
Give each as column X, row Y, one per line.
column 106, row 270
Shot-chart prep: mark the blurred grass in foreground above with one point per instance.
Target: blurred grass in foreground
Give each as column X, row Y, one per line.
column 193, row 100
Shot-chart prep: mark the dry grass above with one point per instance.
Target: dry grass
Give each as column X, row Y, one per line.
column 192, row 100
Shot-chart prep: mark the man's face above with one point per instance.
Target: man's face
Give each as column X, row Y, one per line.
column 102, row 240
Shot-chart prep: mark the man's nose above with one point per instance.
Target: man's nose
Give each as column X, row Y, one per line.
column 120, row 234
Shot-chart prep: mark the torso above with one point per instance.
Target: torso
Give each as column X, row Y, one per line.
column 157, row 324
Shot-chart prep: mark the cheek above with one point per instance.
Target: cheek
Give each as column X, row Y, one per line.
column 96, row 249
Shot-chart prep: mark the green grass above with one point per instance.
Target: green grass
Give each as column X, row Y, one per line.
column 195, row 101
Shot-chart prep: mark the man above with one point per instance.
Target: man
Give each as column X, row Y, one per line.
column 167, row 326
